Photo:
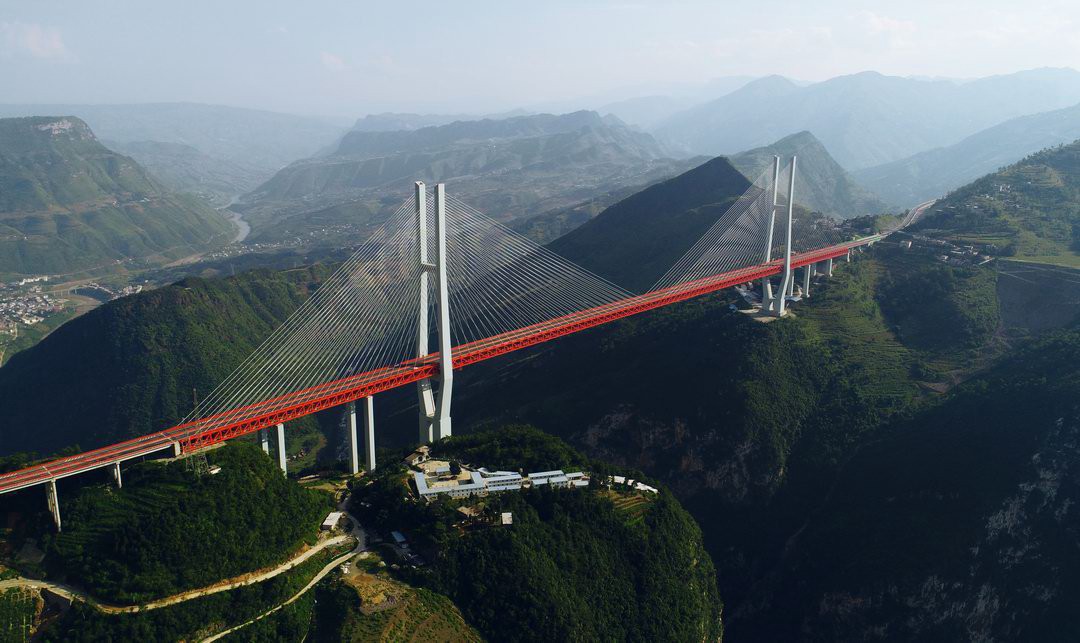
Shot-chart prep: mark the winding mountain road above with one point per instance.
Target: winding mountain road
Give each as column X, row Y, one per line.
column 74, row 594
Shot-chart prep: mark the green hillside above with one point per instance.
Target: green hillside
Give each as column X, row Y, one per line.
column 586, row 564
column 67, row 203
column 1029, row 210
column 140, row 358
column 747, row 422
column 168, row 530
column 958, row 525
column 821, row 184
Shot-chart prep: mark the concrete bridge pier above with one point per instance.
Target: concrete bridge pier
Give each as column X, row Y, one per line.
column 116, row 475
column 54, row 503
column 354, row 458
column 281, row 449
column 264, row 440
column 369, row 434
column 807, row 272
column 829, row 266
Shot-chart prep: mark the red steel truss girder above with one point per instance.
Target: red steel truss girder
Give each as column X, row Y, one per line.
column 236, row 422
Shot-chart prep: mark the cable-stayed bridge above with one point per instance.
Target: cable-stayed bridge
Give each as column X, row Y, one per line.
column 439, row 287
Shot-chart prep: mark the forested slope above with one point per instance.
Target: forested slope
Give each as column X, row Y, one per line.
column 957, row 524
column 134, row 365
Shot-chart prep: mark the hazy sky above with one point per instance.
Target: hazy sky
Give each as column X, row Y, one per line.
column 351, row 58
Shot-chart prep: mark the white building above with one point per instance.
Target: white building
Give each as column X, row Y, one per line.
column 484, row 481
column 331, row 521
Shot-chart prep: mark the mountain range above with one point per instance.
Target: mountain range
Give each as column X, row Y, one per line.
column 867, row 119
column 838, row 494
column 508, row 168
column 68, row 203
column 935, row 172
column 262, row 139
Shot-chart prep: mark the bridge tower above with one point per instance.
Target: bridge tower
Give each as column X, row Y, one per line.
column 776, row 302
column 435, row 423
column 767, row 299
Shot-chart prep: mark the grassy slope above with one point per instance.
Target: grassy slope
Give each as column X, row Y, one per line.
column 1028, row 210
column 420, row 615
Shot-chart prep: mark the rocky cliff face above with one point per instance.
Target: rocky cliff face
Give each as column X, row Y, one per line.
column 961, row 525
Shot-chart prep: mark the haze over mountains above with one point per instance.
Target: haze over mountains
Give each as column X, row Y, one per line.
column 935, row 172
column 509, row 168
column 238, row 146
column 867, row 119
column 67, row 203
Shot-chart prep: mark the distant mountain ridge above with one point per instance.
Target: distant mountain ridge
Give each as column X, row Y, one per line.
column 935, row 172
column 867, row 119
column 358, row 144
column 394, row 121
column 821, row 184
column 508, row 168
column 68, row 203
column 248, row 137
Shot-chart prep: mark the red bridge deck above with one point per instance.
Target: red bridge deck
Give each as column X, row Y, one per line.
column 243, row 420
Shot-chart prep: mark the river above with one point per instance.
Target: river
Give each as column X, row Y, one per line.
column 243, row 228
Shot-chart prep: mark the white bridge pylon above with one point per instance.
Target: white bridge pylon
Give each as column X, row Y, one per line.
column 435, row 422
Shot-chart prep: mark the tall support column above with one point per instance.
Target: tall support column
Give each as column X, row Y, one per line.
column 354, row 457
column 176, row 449
column 806, row 279
column 786, row 278
column 767, row 299
column 264, row 440
column 423, row 387
column 116, row 475
column 828, row 267
column 369, row 433
column 281, row 449
column 54, row 502
column 847, row 257
column 443, row 427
